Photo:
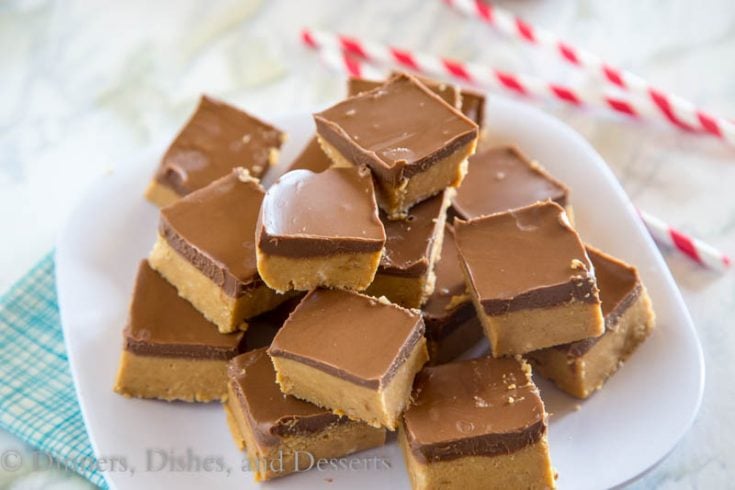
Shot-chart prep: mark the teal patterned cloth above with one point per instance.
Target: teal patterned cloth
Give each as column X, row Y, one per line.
column 37, row 399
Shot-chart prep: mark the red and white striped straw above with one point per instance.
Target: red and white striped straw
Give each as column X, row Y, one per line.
column 700, row 252
column 468, row 73
column 674, row 109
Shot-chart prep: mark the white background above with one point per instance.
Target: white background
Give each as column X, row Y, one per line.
column 84, row 86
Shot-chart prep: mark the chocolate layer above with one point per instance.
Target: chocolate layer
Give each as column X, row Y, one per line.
column 305, row 214
column 620, row 288
column 479, row 407
column 311, row 158
column 272, row 414
column 449, row 93
column 200, row 228
column 398, row 129
column 409, row 242
column 161, row 323
column 469, row 102
column 217, row 138
column 348, row 335
column 503, row 178
column 525, row 258
column 473, row 106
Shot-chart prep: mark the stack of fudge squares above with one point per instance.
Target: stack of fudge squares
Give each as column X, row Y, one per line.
column 331, row 307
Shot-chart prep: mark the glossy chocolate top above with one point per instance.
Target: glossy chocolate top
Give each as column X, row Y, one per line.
column 479, row 407
column 408, row 242
column 308, row 214
column 398, row 129
column 216, row 139
column 619, row 288
column 449, row 93
column 311, row 158
column 355, row 337
column 503, row 178
column 161, row 323
column 272, row 414
column 469, row 102
column 526, row 258
column 265, row 326
column 214, row 229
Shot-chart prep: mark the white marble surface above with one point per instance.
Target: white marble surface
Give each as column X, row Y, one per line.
column 86, row 85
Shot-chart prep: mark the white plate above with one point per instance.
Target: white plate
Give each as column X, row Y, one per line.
column 612, row 438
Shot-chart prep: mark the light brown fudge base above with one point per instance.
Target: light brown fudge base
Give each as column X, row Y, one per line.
column 228, row 313
column 291, row 455
column 462, row 338
column 409, row 292
column 160, row 195
column 580, row 376
column 528, row 468
column 170, row 378
column 519, row 332
column 346, row 271
column 397, row 200
column 232, row 423
column 376, row 407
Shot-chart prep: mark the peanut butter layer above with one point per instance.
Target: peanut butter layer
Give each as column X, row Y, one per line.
column 312, row 157
column 272, row 414
column 214, row 230
column 525, row 258
column 351, row 336
column 503, row 178
column 398, row 129
column 619, row 287
column 305, row 214
column 217, row 138
column 479, row 407
column 449, row 93
column 409, row 242
column 165, row 325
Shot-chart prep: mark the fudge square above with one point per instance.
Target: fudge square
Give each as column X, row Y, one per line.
column 276, row 428
column 406, row 271
column 216, row 139
column 476, row 424
column 206, row 248
column 530, row 278
column 351, row 353
column 503, row 178
column 320, row 229
column 415, row 143
column 580, row 368
column 452, row 325
column 170, row 350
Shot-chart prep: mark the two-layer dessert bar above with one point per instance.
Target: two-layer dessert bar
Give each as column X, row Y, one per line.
column 415, row 143
column 206, row 248
column 170, row 350
column 217, row 139
column 476, row 424
column 320, row 229
column 530, row 278
column 580, row 368
column 276, row 429
column 351, row 353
